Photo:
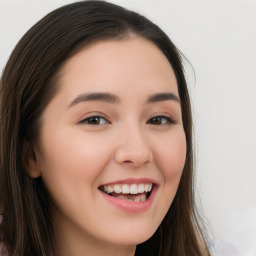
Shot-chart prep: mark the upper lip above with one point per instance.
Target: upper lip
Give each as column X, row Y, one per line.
column 132, row 181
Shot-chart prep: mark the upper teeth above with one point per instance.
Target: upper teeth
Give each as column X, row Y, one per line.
column 128, row 188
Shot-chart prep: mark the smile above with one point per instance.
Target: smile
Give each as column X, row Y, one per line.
column 129, row 192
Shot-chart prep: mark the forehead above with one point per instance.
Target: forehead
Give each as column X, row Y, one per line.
column 113, row 65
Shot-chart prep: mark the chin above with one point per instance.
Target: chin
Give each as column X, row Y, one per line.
column 133, row 237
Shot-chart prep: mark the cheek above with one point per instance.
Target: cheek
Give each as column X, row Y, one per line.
column 72, row 162
column 171, row 156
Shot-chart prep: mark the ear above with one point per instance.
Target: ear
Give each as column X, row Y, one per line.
column 29, row 162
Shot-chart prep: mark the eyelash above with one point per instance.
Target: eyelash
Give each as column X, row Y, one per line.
column 97, row 120
column 169, row 120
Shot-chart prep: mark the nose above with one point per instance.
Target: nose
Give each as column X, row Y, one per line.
column 133, row 148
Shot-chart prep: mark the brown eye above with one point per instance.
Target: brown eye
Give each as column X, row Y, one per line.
column 94, row 120
column 161, row 120
column 156, row 120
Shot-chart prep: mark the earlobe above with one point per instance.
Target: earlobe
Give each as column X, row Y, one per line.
column 30, row 164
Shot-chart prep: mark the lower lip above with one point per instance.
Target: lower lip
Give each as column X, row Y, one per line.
column 130, row 206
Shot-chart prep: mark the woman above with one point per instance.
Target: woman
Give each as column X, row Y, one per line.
column 96, row 140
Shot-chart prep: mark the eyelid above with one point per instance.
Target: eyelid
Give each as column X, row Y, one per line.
column 94, row 115
column 170, row 120
column 168, row 117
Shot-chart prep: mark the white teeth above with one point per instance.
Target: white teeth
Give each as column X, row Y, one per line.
column 110, row 189
column 128, row 188
column 125, row 189
column 132, row 198
column 117, row 189
column 137, row 199
column 143, row 198
column 140, row 188
column 148, row 187
column 122, row 197
column 133, row 189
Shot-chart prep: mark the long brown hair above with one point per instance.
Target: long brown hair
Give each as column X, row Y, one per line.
column 29, row 82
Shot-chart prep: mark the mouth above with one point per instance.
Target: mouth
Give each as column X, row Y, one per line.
column 129, row 192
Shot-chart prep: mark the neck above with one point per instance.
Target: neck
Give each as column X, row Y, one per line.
column 78, row 248
column 70, row 241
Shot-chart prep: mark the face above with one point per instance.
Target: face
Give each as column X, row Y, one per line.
column 111, row 147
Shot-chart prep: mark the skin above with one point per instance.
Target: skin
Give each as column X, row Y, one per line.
column 74, row 158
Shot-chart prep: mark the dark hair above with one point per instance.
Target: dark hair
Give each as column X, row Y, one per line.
column 29, row 82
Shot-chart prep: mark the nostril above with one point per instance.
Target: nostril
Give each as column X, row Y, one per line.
column 128, row 161
column 136, row 155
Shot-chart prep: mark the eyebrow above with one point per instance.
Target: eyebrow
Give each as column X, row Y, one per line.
column 162, row 97
column 97, row 96
column 112, row 98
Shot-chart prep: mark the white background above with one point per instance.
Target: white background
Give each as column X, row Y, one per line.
column 219, row 39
